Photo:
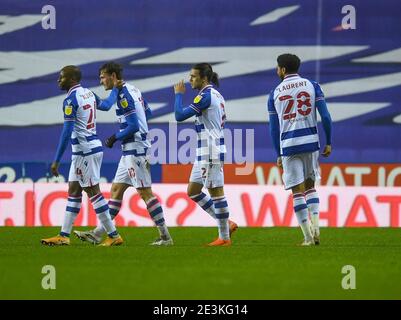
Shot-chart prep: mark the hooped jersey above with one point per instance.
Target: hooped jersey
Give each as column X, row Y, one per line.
column 130, row 101
column 209, row 124
column 294, row 101
column 80, row 107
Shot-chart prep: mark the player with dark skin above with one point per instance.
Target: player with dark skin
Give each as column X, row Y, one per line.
column 66, row 81
column 308, row 183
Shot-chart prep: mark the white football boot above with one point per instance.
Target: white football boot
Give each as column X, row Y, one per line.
column 162, row 242
column 88, row 236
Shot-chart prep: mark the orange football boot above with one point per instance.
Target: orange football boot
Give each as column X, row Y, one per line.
column 111, row 242
column 220, row 243
column 56, row 241
column 233, row 226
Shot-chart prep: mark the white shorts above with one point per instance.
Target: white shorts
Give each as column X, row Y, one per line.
column 210, row 175
column 135, row 171
column 86, row 169
column 300, row 167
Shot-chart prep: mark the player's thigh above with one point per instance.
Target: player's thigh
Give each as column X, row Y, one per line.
column 196, row 174
column 293, row 171
column 86, row 169
column 73, row 173
column 138, row 171
column 122, row 176
column 91, row 170
column 214, row 175
column 311, row 167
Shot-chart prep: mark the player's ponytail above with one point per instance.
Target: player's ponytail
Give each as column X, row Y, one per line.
column 206, row 70
column 215, row 79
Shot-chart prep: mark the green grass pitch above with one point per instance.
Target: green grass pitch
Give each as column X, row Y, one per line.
column 263, row 263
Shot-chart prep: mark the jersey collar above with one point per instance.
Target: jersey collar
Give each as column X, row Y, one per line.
column 73, row 88
column 208, row 86
column 291, row 76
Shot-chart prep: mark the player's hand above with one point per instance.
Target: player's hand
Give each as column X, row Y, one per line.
column 110, row 141
column 179, row 87
column 54, row 169
column 326, row 151
column 280, row 162
column 119, row 84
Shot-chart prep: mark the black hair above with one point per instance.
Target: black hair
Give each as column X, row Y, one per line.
column 289, row 61
column 72, row 72
column 206, row 70
column 111, row 67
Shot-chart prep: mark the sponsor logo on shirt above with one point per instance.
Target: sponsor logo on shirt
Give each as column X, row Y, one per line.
column 124, row 103
column 68, row 110
column 197, row 98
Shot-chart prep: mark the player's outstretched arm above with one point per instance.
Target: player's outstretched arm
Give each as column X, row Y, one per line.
column 106, row 104
column 62, row 145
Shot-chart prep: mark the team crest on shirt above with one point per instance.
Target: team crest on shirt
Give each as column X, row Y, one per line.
column 124, row 103
column 68, row 110
column 197, row 98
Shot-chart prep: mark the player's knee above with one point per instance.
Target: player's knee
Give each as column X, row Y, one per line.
column 309, row 184
column 74, row 193
column 145, row 193
column 92, row 191
column 74, row 190
column 115, row 191
column 216, row 192
column 191, row 191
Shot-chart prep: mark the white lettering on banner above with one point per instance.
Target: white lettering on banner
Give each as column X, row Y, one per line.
column 7, row 174
column 392, row 176
column 358, row 175
column 358, row 172
column 273, row 177
column 40, row 204
column 336, row 177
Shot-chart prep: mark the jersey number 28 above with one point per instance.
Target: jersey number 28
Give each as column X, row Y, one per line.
column 303, row 99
